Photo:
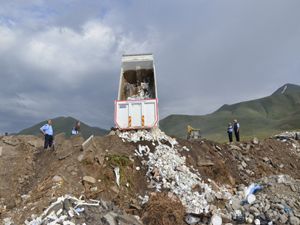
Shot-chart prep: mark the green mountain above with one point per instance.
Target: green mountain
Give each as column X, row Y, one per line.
column 65, row 124
column 261, row 117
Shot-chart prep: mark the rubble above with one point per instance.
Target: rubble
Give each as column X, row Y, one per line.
column 160, row 179
column 89, row 179
column 70, row 210
column 167, row 169
column 275, row 203
column 288, row 135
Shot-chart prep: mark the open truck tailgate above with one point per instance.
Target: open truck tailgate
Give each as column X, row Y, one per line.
column 136, row 114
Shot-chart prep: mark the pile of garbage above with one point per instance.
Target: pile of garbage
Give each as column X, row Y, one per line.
column 68, row 210
column 292, row 138
column 167, row 170
column 271, row 200
column 288, row 135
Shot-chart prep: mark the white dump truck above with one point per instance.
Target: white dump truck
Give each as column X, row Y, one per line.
column 137, row 104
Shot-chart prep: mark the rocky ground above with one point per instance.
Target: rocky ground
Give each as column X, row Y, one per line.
column 149, row 178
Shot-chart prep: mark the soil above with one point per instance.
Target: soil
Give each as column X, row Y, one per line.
column 27, row 182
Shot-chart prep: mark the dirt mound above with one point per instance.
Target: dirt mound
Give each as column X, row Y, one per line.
column 163, row 210
column 31, row 177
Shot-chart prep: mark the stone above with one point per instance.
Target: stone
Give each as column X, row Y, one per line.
column 257, row 222
column 115, row 189
column 216, row 220
column 283, row 219
column 266, row 159
column 253, row 209
column 89, row 179
column 205, row 163
column 94, row 189
column 267, row 207
column 128, row 219
column 293, row 188
column 234, row 147
column 244, row 164
column 112, row 132
column 57, row 179
column 294, row 220
column 110, row 218
column 255, row 141
column 80, row 157
column 1, row 149
column 236, row 203
column 10, row 141
column 218, row 148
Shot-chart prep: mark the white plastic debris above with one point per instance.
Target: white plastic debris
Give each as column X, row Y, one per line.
column 257, row 222
column 171, row 170
column 144, row 199
column 216, row 220
column 251, row 198
column 191, row 220
column 117, row 174
column 51, row 218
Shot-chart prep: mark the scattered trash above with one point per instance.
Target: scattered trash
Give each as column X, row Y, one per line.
column 251, row 198
column 252, row 189
column 257, row 222
column 173, row 173
column 63, row 211
column 191, row 219
column 216, row 220
column 117, row 174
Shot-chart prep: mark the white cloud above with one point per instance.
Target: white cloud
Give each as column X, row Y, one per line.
column 7, row 38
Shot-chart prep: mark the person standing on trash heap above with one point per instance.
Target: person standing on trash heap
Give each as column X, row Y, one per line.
column 76, row 128
column 47, row 131
column 236, row 128
column 230, row 131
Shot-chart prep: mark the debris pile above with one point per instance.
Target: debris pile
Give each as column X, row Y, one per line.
column 288, row 135
column 271, row 200
column 290, row 138
column 167, row 170
column 150, row 175
column 69, row 210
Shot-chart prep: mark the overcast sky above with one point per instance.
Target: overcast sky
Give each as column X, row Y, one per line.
column 62, row 57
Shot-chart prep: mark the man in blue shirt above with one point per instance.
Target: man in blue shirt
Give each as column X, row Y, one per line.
column 230, row 131
column 47, row 130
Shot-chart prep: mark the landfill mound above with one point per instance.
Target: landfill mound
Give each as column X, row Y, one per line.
column 149, row 178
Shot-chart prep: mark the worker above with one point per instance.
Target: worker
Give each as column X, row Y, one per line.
column 236, row 128
column 47, row 131
column 230, row 131
column 76, row 128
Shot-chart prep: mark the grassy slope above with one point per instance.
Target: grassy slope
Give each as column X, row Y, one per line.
column 65, row 124
column 261, row 118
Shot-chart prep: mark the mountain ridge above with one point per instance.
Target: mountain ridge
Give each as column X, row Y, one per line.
column 258, row 117
column 64, row 124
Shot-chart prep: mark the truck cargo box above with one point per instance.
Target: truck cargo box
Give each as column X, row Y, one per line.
column 137, row 104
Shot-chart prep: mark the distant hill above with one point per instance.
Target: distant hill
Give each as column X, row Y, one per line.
column 65, row 124
column 261, row 117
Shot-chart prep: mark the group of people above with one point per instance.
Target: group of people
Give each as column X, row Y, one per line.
column 47, row 131
column 235, row 128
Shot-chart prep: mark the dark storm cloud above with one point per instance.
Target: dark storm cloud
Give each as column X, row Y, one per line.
column 63, row 57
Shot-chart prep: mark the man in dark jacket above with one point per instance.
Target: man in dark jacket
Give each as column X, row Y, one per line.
column 236, row 128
